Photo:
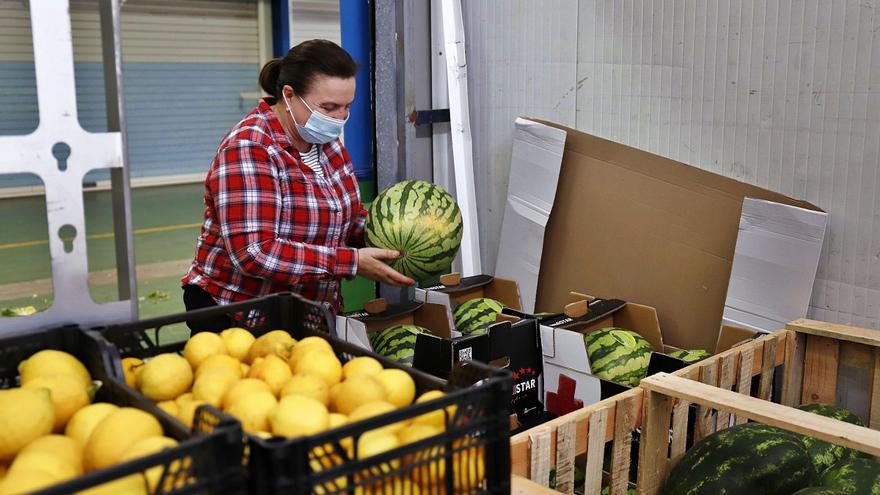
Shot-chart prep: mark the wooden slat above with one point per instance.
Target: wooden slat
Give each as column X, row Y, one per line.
column 679, row 429
column 539, row 460
column 874, row 421
column 654, row 441
column 725, row 381
column 744, row 380
column 595, row 452
column 793, row 379
column 524, row 486
column 621, row 448
column 805, row 423
column 820, row 370
column 565, row 440
column 837, row 332
column 768, row 366
column 705, row 415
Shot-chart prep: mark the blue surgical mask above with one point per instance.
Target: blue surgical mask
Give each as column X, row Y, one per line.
column 319, row 128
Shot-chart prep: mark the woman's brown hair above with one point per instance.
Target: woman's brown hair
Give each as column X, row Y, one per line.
column 302, row 63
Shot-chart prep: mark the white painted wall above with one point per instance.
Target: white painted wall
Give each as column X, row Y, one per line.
column 784, row 94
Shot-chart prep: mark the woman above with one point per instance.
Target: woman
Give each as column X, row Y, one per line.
column 283, row 209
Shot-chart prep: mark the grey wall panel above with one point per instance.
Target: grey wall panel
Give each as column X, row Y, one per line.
column 521, row 61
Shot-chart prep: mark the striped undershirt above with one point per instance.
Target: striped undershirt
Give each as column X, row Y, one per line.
column 311, row 159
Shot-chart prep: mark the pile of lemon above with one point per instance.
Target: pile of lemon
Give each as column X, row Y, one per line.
column 50, row 431
column 280, row 387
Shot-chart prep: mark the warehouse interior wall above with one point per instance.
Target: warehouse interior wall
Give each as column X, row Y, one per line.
column 781, row 94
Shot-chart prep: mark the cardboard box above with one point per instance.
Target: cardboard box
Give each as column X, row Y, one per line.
column 454, row 290
column 435, row 353
column 516, row 345
column 604, row 218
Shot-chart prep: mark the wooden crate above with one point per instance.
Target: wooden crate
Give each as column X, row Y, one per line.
column 813, row 362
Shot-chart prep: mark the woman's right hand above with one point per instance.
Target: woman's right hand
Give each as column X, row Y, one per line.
column 371, row 265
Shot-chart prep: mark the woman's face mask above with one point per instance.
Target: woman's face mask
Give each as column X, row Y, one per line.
column 319, row 128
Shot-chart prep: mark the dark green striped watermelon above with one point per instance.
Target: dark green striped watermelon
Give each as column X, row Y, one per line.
column 817, row 490
column 825, row 454
column 747, row 459
column 397, row 343
column 618, row 355
column 690, row 356
column 420, row 220
column 854, row 476
column 475, row 316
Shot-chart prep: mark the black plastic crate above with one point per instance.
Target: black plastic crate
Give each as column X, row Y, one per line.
column 208, row 460
column 478, row 429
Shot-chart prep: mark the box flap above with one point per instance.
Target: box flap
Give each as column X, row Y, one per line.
column 632, row 224
column 535, row 164
column 731, row 336
column 774, row 265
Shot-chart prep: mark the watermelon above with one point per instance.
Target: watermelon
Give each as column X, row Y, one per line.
column 747, row 459
column 476, row 315
column 853, row 476
column 618, row 355
column 690, row 356
column 397, row 343
column 420, row 220
column 817, row 490
column 824, row 453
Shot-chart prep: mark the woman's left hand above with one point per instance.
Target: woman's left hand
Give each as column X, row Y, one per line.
column 371, row 265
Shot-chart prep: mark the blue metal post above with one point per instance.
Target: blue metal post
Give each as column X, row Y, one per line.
column 280, row 27
column 357, row 40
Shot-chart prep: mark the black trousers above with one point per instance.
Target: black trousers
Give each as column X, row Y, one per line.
column 194, row 297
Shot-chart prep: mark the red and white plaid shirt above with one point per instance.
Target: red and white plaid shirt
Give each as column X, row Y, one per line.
column 271, row 224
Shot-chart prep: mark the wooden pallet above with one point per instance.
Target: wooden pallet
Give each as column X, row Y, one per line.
column 816, row 361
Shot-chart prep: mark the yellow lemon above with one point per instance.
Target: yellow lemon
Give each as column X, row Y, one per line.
column 364, row 365
column 27, row 414
column 165, row 377
column 245, row 368
column 415, row 432
column 376, row 442
column 238, row 342
column 145, row 447
column 40, row 460
column 336, row 420
column 52, row 362
column 253, row 410
column 357, row 391
column 68, row 396
column 130, row 367
column 183, row 399
column 307, row 346
column 60, row 445
column 201, row 346
column 323, row 363
column 309, row 385
column 84, row 421
column 399, row 386
column 116, row 433
column 213, row 384
column 296, row 416
column 277, row 342
column 170, row 407
column 468, row 468
column 426, row 472
column 243, row 388
column 187, row 412
column 434, row 418
column 219, row 361
column 26, row 481
column 272, row 370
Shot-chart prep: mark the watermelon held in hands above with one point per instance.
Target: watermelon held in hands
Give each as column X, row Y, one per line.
column 853, row 476
column 422, row 221
column 690, row 356
column 397, row 343
column 746, row 459
column 475, row 316
column 618, row 355
column 825, row 454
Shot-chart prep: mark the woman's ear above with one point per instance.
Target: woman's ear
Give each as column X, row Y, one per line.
column 288, row 91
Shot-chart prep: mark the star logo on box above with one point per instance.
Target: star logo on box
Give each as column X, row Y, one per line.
column 524, row 380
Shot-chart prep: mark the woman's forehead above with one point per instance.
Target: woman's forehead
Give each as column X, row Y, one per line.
column 337, row 90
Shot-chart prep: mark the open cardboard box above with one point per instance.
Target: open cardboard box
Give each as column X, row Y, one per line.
column 591, row 215
column 435, row 353
column 455, row 289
